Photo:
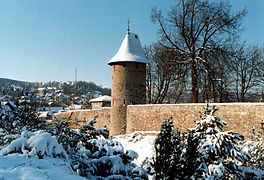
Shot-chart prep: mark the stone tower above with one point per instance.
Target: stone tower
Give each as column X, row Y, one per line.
column 128, row 81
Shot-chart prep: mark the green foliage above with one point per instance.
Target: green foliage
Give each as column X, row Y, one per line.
column 256, row 148
column 22, row 116
column 168, row 147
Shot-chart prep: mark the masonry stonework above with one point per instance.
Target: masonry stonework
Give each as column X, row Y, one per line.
column 128, row 80
column 78, row 117
column 240, row 117
column 127, row 89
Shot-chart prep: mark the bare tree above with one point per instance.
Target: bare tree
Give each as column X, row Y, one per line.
column 215, row 76
column 260, row 68
column 194, row 28
column 165, row 80
column 247, row 65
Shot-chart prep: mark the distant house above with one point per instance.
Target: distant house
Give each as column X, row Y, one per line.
column 97, row 93
column 45, row 115
column 41, row 91
column 7, row 98
column 61, row 97
column 100, row 102
column 9, row 105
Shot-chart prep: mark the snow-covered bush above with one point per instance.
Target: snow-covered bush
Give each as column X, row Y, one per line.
column 14, row 118
column 257, row 155
column 205, row 152
column 88, row 150
column 256, row 149
column 254, row 168
column 93, row 155
column 107, row 158
column 37, row 144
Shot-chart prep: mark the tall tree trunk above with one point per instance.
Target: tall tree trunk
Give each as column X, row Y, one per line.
column 149, row 84
column 195, row 92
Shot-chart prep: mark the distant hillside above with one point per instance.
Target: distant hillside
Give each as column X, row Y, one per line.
column 5, row 82
column 90, row 89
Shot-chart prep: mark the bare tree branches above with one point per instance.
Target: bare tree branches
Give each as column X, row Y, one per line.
column 247, row 70
column 165, row 79
column 195, row 27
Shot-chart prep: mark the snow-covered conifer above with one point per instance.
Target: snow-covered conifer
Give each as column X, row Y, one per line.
column 205, row 152
column 169, row 150
column 20, row 116
column 39, row 144
column 220, row 154
column 93, row 155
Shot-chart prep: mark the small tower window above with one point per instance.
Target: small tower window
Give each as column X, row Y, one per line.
column 136, row 36
column 124, row 102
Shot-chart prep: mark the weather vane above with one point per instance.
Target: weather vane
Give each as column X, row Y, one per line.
column 128, row 28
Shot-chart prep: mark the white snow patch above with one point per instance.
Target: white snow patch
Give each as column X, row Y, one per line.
column 17, row 167
column 143, row 145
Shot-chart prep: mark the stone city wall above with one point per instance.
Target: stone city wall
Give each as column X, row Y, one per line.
column 239, row 117
column 78, row 117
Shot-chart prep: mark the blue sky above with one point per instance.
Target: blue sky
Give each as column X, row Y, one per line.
column 44, row 40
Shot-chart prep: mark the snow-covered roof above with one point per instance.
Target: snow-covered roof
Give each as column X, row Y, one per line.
column 12, row 103
column 43, row 114
column 104, row 98
column 129, row 51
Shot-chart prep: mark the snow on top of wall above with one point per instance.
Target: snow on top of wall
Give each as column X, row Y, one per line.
column 204, row 104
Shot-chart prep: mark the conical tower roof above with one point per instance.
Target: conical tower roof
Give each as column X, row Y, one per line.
column 129, row 51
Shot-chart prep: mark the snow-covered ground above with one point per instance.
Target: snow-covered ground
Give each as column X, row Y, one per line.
column 17, row 166
column 142, row 144
column 23, row 166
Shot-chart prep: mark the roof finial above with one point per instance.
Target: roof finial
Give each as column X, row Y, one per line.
column 128, row 27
